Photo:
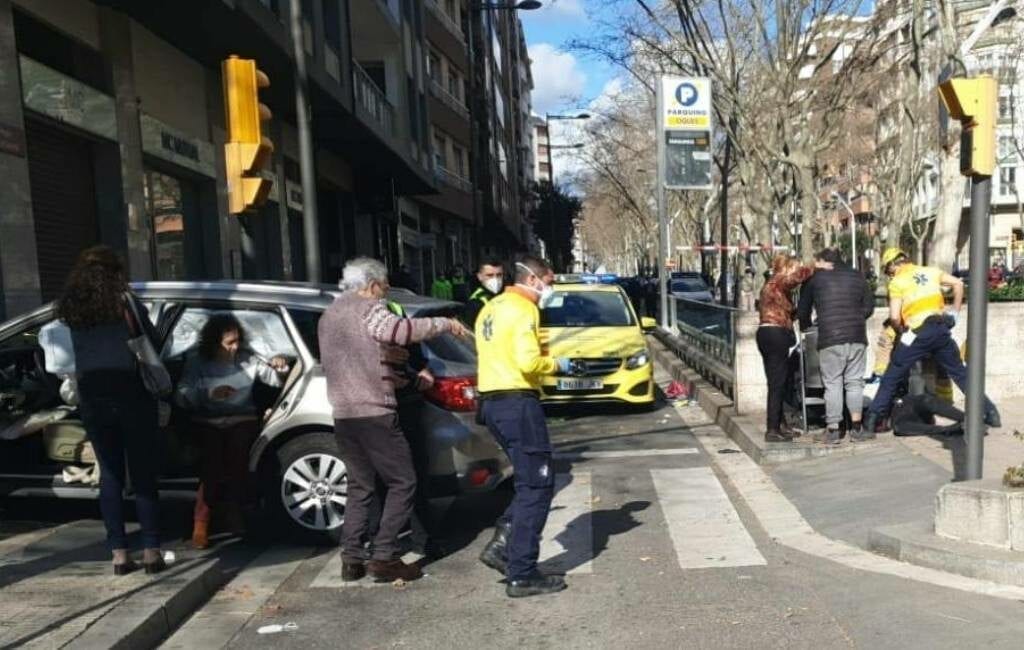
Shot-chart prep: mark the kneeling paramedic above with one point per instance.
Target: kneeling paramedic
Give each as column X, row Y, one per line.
column 918, row 312
column 509, row 375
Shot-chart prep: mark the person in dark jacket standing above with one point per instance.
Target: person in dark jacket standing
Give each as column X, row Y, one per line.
column 843, row 301
column 118, row 413
column 491, row 278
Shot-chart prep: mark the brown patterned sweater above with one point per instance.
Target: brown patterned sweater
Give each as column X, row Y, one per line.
column 776, row 302
column 354, row 332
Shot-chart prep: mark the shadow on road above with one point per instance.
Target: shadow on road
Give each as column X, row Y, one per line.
column 604, row 524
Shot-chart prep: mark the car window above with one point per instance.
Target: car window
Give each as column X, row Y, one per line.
column 265, row 332
column 307, row 321
column 688, row 286
column 452, row 348
column 586, row 309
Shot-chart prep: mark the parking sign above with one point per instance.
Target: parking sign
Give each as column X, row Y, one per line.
column 685, row 116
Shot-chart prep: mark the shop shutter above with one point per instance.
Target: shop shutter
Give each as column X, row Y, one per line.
column 63, row 201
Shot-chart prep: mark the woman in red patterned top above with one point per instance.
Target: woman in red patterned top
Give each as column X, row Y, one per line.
column 775, row 337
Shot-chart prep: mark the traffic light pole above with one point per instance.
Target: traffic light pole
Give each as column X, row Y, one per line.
column 977, row 318
column 310, row 225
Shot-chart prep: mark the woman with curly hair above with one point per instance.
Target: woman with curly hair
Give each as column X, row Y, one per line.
column 118, row 413
column 217, row 386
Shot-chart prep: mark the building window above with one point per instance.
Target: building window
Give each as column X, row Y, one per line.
column 434, row 67
column 165, row 204
column 454, row 84
column 440, row 151
column 1007, row 147
column 1007, row 181
column 1005, row 108
column 332, row 24
column 459, row 154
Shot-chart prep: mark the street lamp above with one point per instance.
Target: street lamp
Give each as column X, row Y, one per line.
column 853, row 227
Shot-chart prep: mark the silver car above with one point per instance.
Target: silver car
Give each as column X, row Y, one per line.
column 303, row 481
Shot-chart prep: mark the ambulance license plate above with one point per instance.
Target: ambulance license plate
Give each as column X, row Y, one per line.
column 580, row 384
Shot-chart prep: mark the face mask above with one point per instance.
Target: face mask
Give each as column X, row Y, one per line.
column 493, row 284
column 546, row 293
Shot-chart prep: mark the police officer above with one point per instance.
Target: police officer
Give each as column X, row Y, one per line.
column 509, row 375
column 491, row 276
column 917, row 311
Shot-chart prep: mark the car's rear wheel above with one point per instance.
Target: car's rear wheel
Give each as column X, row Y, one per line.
column 307, row 488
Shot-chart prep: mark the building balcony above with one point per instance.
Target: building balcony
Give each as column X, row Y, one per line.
column 451, row 179
column 449, row 100
column 371, row 102
column 445, row 20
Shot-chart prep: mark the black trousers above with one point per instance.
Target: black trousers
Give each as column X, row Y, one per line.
column 774, row 344
column 373, row 447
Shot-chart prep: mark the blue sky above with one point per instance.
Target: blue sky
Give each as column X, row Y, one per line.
column 563, row 80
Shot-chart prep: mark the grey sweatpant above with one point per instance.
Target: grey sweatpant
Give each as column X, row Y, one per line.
column 842, row 371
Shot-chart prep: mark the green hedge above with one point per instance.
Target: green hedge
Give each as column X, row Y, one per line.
column 1009, row 293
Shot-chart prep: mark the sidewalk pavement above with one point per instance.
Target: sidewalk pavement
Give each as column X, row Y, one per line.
column 57, row 588
column 879, row 495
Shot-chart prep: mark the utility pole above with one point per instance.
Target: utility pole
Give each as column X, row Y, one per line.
column 310, row 225
column 662, row 219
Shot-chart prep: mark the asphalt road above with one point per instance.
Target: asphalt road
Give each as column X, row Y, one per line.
column 661, row 552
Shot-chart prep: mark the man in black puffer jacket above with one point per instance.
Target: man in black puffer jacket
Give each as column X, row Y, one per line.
column 842, row 300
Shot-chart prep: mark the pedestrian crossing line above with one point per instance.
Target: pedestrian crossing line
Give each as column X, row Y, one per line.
column 567, row 544
column 705, row 528
column 625, row 453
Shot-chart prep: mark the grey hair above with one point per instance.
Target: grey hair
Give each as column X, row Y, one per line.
column 361, row 272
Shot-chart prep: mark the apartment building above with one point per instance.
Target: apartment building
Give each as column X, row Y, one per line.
column 540, row 142
column 112, row 126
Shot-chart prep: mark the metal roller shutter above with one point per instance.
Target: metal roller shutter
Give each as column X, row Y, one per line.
column 63, row 201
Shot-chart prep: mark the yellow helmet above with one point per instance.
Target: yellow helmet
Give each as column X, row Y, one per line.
column 891, row 255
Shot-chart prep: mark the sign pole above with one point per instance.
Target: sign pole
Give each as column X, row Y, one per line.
column 663, row 272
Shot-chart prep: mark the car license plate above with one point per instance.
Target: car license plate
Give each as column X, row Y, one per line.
column 580, row 384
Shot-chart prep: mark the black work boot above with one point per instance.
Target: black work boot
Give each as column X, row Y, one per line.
column 774, row 435
column 535, row 586
column 992, row 418
column 868, row 432
column 351, row 571
column 495, row 554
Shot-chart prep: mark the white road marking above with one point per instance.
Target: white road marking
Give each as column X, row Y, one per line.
column 784, row 523
column 705, row 528
column 567, row 545
column 625, row 453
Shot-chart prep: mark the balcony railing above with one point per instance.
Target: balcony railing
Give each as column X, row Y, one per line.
column 446, row 20
column 450, row 100
column 371, row 100
column 451, row 179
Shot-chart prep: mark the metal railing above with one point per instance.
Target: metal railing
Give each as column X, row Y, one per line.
column 371, row 100
column 453, row 179
column 703, row 334
column 449, row 100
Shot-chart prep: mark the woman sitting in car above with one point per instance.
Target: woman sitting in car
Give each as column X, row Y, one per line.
column 217, row 386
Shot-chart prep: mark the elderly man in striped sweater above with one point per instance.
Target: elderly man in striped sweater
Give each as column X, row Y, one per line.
column 357, row 337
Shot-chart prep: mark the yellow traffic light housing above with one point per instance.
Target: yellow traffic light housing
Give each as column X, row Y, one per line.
column 247, row 151
column 974, row 102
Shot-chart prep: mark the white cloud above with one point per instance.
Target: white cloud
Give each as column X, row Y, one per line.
column 565, row 8
column 557, row 78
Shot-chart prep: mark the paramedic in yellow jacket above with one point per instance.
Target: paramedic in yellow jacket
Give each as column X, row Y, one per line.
column 511, row 365
column 918, row 312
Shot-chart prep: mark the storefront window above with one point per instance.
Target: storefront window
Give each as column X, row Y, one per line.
column 164, row 203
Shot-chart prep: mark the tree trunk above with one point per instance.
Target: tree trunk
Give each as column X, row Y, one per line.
column 949, row 213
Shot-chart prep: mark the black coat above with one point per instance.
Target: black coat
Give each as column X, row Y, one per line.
column 842, row 300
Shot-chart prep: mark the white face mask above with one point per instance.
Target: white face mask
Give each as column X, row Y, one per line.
column 493, row 284
column 546, row 292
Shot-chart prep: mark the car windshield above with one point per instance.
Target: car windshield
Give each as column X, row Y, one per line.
column 586, row 309
column 688, row 286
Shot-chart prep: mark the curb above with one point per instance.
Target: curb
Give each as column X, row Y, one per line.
column 918, row 544
column 150, row 613
column 743, row 429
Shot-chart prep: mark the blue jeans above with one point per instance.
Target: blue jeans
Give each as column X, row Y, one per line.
column 120, row 420
column 932, row 339
column 517, row 423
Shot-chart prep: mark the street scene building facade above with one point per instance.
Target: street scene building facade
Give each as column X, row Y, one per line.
column 112, row 121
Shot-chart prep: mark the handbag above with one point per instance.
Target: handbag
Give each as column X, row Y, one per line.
column 151, row 367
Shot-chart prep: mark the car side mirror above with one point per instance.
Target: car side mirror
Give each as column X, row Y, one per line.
column 648, row 324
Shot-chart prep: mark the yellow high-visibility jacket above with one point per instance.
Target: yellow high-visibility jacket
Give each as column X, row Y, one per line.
column 507, row 346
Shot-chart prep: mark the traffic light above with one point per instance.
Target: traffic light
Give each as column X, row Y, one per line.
column 974, row 102
column 247, row 151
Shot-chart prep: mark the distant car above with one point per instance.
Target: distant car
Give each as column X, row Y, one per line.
column 691, row 289
column 302, row 477
column 597, row 329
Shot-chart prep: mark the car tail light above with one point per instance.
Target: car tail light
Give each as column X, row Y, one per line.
column 454, row 393
column 479, row 476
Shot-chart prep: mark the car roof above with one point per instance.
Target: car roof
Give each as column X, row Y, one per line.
column 289, row 294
